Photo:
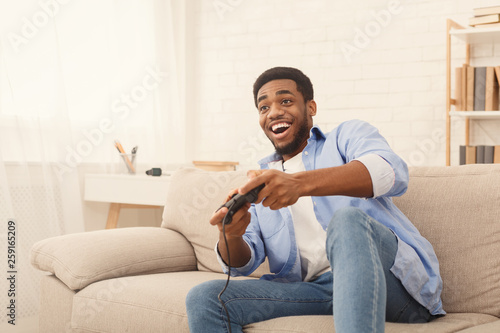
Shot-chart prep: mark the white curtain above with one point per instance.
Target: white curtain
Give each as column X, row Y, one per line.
column 75, row 76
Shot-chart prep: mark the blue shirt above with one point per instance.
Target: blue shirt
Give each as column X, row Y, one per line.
column 271, row 233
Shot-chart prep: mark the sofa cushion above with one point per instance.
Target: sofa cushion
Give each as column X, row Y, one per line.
column 493, row 327
column 156, row 303
column 458, row 210
column 450, row 323
column 82, row 258
column 193, row 196
column 147, row 303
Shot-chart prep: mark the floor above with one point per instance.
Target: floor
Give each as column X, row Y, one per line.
column 23, row 325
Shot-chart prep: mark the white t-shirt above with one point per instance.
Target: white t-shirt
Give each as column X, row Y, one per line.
column 309, row 234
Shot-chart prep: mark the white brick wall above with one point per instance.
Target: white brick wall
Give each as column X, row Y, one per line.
column 396, row 80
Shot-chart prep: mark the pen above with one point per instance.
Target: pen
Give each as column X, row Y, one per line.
column 125, row 157
column 134, row 151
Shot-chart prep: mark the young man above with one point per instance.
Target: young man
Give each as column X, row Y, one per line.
column 335, row 242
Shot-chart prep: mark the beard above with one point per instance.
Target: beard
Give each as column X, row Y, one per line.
column 301, row 136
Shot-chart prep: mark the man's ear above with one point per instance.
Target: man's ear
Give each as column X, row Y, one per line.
column 311, row 107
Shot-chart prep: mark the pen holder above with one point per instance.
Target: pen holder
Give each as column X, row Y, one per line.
column 127, row 163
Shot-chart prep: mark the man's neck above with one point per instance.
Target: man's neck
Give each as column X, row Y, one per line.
column 298, row 151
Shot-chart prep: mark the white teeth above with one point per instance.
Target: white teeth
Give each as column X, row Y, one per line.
column 280, row 125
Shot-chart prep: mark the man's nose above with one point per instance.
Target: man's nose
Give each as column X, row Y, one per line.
column 275, row 111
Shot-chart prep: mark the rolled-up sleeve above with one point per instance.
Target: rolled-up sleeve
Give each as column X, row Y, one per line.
column 381, row 173
column 356, row 138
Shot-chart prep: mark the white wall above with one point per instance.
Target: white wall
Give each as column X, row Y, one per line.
column 396, row 80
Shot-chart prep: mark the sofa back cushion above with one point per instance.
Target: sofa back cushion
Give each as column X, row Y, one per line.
column 193, row 196
column 458, row 210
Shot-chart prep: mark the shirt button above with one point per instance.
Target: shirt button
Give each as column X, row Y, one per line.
column 306, row 153
column 314, row 203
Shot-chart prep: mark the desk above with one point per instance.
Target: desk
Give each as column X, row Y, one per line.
column 126, row 191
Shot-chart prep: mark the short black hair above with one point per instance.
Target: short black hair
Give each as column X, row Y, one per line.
column 304, row 85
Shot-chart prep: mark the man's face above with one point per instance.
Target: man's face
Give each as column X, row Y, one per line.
column 284, row 116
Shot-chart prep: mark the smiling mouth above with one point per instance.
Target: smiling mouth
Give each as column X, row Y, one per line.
column 280, row 128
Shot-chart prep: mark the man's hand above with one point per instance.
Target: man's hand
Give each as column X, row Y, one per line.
column 241, row 219
column 281, row 190
column 240, row 253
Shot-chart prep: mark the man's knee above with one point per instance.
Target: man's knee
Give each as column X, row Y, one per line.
column 203, row 295
column 346, row 226
column 345, row 219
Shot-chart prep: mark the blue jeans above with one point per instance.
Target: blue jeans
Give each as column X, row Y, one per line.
column 361, row 292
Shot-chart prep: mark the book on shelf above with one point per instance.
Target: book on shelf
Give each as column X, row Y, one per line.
column 486, row 10
column 490, row 25
column 489, row 154
column 461, row 155
column 496, row 155
column 470, row 89
column 464, row 87
column 458, row 89
column 480, row 154
column 491, row 87
column 470, row 154
column 484, row 19
column 477, row 88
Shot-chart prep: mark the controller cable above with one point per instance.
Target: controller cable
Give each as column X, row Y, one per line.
column 226, row 219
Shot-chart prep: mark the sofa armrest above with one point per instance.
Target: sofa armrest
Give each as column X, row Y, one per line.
column 83, row 258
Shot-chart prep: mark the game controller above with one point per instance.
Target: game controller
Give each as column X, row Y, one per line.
column 239, row 200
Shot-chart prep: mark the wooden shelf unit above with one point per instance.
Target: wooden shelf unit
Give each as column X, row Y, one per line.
column 476, row 114
column 470, row 36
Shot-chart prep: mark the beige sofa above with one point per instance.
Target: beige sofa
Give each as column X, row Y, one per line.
column 136, row 279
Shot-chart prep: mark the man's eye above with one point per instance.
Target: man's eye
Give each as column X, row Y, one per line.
column 286, row 101
column 263, row 109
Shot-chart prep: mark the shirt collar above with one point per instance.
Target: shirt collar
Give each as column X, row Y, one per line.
column 314, row 135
